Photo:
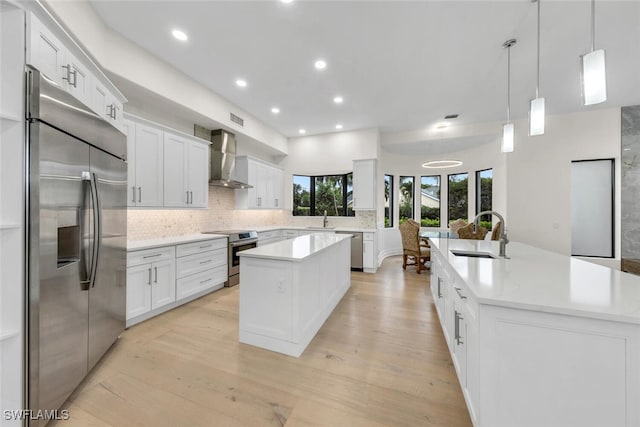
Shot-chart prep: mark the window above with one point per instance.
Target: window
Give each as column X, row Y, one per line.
column 301, row 195
column 388, row 201
column 406, row 198
column 458, row 197
column 484, row 195
column 430, row 201
column 313, row 195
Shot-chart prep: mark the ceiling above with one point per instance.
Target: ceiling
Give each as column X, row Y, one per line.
column 400, row 65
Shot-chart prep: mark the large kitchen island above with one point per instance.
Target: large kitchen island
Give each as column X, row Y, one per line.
column 539, row 339
column 289, row 288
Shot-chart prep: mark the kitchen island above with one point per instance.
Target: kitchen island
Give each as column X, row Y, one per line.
column 289, row 288
column 540, row 338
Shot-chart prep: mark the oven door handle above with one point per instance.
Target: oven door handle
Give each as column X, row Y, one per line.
column 242, row 243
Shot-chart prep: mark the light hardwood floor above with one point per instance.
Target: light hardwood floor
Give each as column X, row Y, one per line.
column 380, row 359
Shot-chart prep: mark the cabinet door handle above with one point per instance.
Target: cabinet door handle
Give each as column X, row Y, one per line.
column 458, row 291
column 439, row 290
column 458, row 318
column 70, row 73
column 139, row 194
column 191, row 193
column 187, row 196
column 205, row 281
column 151, row 256
column 155, row 270
column 149, row 283
column 206, row 262
column 133, row 199
column 205, row 246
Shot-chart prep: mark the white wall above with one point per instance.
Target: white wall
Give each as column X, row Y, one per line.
column 132, row 63
column 539, row 176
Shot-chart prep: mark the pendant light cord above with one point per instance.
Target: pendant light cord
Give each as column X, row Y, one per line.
column 509, row 84
column 538, row 53
column 593, row 25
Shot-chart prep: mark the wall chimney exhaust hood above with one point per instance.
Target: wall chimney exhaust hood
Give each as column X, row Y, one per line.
column 223, row 160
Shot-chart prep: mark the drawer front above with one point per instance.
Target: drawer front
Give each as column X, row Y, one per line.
column 201, row 281
column 368, row 236
column 150, row 255
column 199, row 247
column 197, row 263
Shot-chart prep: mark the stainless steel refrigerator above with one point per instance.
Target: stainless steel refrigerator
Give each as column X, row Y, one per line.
column 77, row 190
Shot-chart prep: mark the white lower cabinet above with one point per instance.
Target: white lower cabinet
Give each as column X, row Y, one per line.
column 369, row 253
column 150, row 285
column 162, row 278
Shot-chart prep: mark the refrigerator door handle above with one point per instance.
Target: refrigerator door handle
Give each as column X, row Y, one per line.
column 97, row 227
column 86, row 283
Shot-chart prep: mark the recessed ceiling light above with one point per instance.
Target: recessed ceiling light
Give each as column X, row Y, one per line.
column 320, row 64
column 440, row 164
column 180, row 35
column 441, row 125
column 286, row 1
column 302, row 131
column 338, row 100
column 241, row 83
column 275, row 110
column 338, row 126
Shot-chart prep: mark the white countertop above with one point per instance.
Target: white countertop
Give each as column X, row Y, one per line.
column 295, row 249
column 540, row 280
column 314, row 229
column 136, row 245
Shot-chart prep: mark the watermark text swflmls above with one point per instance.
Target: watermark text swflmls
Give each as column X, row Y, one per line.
column 41, row 414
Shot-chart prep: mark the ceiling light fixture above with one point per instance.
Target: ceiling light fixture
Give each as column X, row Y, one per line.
column 180, row 35
column 441, row 125
column 441, row 164
column 286, row 1
column 594, row 79
column 338, row 126
column 320, row 64
column 275, row 110
column 507, row 129
column 302, row 131
column 537, row 107
column 241, row 83
column 338, row 100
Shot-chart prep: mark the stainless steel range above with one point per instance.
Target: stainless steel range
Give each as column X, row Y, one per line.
column 239, row 240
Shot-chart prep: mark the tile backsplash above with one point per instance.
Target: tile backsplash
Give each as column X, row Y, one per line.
column 221, row 214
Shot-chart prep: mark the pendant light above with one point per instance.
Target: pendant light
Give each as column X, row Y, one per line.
column 536, row 109
column 594, row 79
column 508, row 129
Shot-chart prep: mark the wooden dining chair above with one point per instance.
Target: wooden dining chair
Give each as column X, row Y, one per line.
column 412, row 252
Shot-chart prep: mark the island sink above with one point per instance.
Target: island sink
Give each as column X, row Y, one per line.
column 473, row 254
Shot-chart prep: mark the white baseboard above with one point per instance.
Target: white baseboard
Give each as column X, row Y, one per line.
column 387, row 253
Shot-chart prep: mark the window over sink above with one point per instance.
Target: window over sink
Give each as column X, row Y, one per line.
column 313, row 195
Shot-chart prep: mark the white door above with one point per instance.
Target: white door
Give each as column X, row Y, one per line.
column 138, row 290
column 163, row 283
column 252, row 176
column 175, row 171
column 99, row 98
column 129, row 129
column 198, row 173
column 364, row 184
column 77, row 79
column 149, row 164
column 276, row 182
column 46, row 52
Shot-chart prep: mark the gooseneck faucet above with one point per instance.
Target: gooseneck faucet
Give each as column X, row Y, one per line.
column 503, row 232
column 325, row 221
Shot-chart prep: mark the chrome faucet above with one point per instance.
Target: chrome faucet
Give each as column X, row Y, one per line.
column 325, row 221
column 503, row 232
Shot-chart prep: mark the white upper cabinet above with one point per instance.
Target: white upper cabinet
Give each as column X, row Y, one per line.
column 198, row 174
column 176, row 190
column 45, row 51
column 165, row 168
column 147, row 175
column 57, row 57
column 267, row 184
column 185, row 172
column 364, row 184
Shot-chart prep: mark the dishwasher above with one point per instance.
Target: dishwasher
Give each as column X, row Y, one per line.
column 356, row 249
